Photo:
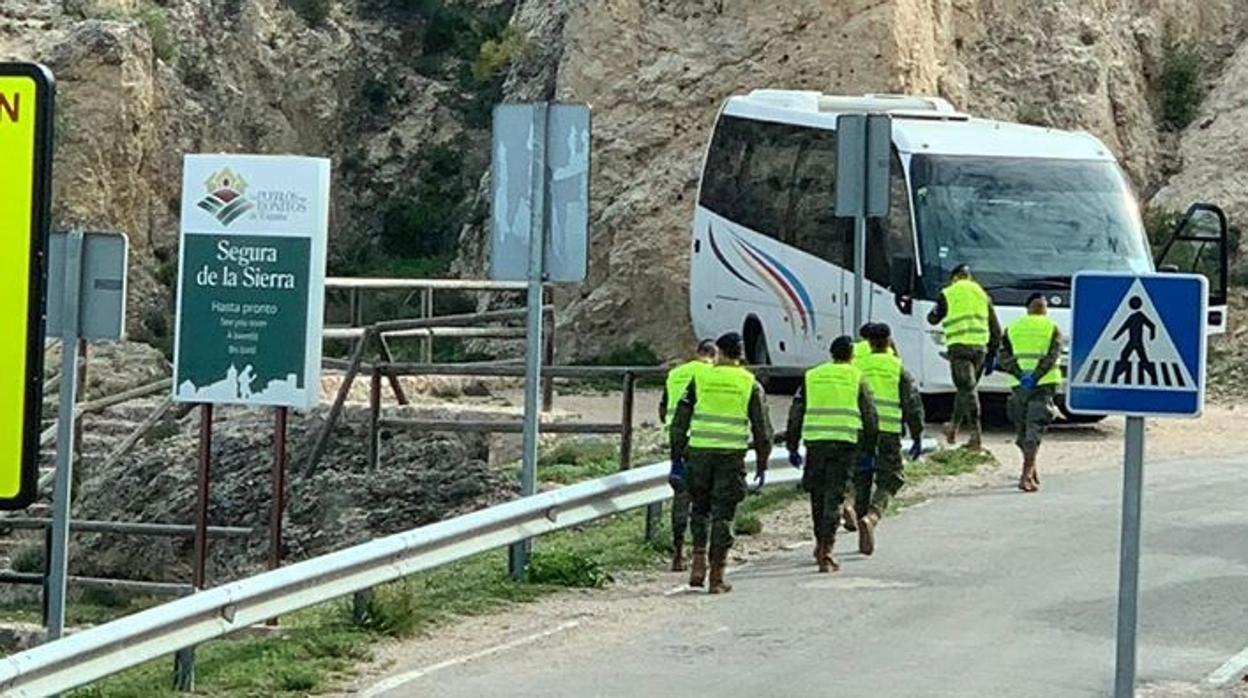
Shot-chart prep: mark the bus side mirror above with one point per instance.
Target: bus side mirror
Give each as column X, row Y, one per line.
column 902, row 282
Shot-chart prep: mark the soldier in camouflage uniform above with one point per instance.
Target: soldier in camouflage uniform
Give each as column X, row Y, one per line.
column 898, row 403
column 833, row 412
column 972, row 335
column 1030, row 354
column 678, row 379
column 722, row 415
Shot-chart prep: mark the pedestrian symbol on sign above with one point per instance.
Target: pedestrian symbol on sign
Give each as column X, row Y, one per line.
column 1137, row 344
column 1135, row 350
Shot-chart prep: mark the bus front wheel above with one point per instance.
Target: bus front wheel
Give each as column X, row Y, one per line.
column 1069, row 417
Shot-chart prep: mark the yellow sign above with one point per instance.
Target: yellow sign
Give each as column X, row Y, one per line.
column 26, row 96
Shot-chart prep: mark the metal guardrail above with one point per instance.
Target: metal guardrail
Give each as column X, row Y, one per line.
column 107, row 649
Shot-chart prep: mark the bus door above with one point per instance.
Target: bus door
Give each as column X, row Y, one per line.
column 1199, row 245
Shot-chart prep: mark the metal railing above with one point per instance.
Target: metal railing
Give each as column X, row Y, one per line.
column 107, row 649
column 425, row 288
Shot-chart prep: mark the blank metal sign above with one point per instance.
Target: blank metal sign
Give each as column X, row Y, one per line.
column 102, row 300
column 517, row 128
column 863, row 148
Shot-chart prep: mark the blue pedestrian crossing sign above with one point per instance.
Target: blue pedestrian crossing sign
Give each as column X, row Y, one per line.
column 1137, row 344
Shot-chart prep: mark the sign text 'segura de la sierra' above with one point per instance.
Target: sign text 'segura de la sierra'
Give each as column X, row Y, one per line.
column 251, row 281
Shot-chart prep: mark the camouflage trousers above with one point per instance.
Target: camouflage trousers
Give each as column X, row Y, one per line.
column 716, row 486
column 1031, row 411
column 875, row 488
column 829, row 467
column 965, row 364
column 680, row 511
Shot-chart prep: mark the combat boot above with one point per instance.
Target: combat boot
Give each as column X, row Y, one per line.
column 697, row 568
column 976, row 443
column 678, row 556
column 866, row 532
column 1027, row 481
column 718, row 585
column 823, row 556
column 950, row 430
column 849, row 517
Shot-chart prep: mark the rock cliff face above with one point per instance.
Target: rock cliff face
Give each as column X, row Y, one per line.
column 140, row 84
column 376, row 87
column 656, row 72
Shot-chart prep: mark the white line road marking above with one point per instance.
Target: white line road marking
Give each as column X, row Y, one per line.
column 405, row 678
column 1232, row 669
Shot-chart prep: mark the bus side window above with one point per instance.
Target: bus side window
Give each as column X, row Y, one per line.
column 720, row 181
column 766, row 177
column 890, row 264
column 815, row 228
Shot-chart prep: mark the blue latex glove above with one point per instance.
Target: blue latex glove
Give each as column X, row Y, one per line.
column 795, row 459
column 677, row 474
column 1028, row 381
column 866, row 463
column 916, row 449
column 990, row 364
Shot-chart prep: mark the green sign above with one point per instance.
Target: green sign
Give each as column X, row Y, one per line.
column 252, row 278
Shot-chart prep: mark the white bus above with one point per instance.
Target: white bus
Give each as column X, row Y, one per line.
column 1025, row 207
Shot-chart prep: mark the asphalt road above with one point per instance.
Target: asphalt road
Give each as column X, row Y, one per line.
column 991, row 593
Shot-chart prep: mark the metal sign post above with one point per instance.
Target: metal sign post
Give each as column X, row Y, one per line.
column 519, row 557
column 59, row 563
column 1129, row 557
column 539, row 213
column 863, row 149
column 1137, row 349
column 87, row 293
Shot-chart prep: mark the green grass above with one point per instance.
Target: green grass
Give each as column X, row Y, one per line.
column 90, row 610
column 946, row 463
column 575, row 460
column 747, row 525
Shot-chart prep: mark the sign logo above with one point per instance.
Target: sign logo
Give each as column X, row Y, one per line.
column 1138, row 344
column 225, row 199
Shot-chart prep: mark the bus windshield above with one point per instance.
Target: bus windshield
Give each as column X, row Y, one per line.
column 1025, row 222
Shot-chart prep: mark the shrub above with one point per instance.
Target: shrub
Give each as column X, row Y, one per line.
column 28, row 559
column 498, row 53
column 104, row 596
column 1181, row 70
column 747, row 525
column 565, row 568
column 297, row 678
column 313, row 12
column 390, row 610
column 157, row 25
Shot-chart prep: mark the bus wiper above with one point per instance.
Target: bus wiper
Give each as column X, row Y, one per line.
column 1055, row 282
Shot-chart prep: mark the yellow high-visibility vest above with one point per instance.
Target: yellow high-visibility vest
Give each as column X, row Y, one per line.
column 883, row 373
column 966, row 322
column 831, row 393
column 1030, row 338
column 862, row 348
column 678, row 380
column 721, row 415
